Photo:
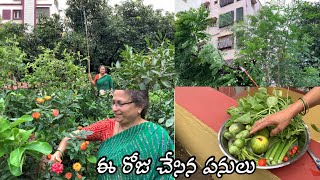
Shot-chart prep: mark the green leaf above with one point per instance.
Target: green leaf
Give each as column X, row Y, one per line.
column 272, row 101
column 2, row 150
column 58, row 117
column 42, row 147
column 16, row 171
column 142, row 86
column 166, row 84
column 4, row 124
column 16, row 156
column 92, row 159
column 156, row 87
column 244, row 119
column 24, row 135
column 169, row 122
column 156, row 72
column 22, row 119
column 277, row 93
column 161, row 120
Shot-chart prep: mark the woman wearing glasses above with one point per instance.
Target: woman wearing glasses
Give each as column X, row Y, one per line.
column 127, row 133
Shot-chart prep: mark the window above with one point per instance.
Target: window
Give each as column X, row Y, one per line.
column 239, row 14
column 6, row 14
column 225, row 2
column 16, row 14
column 42, row 11
column 226, row 19
column 253, row 1
column 225, row 42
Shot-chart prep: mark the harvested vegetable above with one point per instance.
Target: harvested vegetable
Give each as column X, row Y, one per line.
column 260, row 147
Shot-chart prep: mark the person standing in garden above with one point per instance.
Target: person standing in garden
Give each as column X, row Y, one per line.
column 128, row 133
column 103, row 81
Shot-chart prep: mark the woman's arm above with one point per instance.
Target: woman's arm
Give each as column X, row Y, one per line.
column 62, row 147
column 282, row 118
column 90, row 79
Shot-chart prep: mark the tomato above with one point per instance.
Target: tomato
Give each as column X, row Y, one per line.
column 262, row 162
column 285, row 159
column 290, row 152
column 295, row 148
column 298, row 151
column 293, row 151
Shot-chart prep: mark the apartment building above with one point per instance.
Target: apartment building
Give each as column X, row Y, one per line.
column 27, row 11
column 224, row 14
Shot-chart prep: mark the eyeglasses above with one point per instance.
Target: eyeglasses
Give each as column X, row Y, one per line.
column 117, row 104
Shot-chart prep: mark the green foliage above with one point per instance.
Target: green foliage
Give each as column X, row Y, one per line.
column 109, row 29
column 15, row 144
column 150, row 70
column 161, row 109
column 11, row 62
column 274, row 46
column 50, row 73
column 196, row 62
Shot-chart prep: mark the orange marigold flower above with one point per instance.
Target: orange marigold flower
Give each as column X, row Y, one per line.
column 47, row 98
column 68, row 175
column 76, row 166
column 79, row 176
column 39, row 100
column 36, row 115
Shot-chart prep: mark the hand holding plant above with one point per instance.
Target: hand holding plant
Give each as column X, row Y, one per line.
column 280, row 119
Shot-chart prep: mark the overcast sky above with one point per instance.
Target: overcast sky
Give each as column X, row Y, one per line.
column 167, row 5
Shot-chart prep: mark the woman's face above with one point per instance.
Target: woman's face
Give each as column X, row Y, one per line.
column 102, row 70
column 125, row 110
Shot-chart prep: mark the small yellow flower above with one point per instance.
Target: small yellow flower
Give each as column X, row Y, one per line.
column 76, row 166
column 47, row 98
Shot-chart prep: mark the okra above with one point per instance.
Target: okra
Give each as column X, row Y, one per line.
column 274, row 150
column 285, row 150
column 279, row 151
column 268, row 153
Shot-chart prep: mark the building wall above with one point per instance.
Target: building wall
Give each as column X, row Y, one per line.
column 28, row 8
column 216, row 11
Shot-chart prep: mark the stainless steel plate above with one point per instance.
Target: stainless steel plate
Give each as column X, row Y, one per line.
column 303, row 144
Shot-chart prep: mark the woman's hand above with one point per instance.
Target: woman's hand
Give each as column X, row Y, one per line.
column 57, row 156
column 280, row 119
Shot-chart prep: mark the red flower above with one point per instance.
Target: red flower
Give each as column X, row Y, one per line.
column 55, row 112
column 57, row 167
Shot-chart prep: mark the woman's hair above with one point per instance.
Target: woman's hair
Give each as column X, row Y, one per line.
column 141, row 99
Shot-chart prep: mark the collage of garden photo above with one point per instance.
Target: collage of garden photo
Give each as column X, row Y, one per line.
column 159, row 89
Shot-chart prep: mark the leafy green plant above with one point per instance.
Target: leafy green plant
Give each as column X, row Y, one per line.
column 15, row 144
column 51, row 74
column 152, row 70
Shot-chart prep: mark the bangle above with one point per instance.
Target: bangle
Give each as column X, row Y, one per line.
column 305, row 107
column 60, row 152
